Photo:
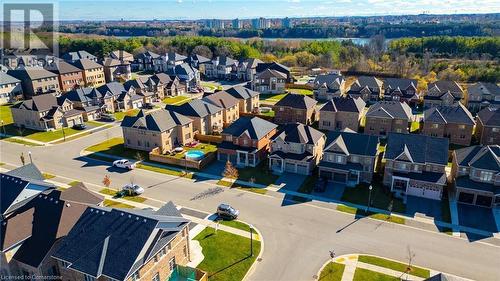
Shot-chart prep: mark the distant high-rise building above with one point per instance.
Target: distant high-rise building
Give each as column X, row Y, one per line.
column 287, row 22
column 261, row 23
column 237, row 24
column 215, row 24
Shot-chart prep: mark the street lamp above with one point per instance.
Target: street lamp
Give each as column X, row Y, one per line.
column 64, row 135
column 251, row 240
column 31, row 159
column 3, row 128
column 369, row 197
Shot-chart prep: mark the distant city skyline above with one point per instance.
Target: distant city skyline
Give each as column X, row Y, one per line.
column 226, row 9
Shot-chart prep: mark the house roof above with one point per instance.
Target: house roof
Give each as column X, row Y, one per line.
column 466, row 182
column 272, row 65
column 159, row 120
column 367, row 81
column 306, row 156
column 481, row 157
column 112, row 88
column 117, row 242
column 148, row 54
column 345, row 104
column 297, row 101
column 79, row 95
column 298, row 133
column 241, row 92
column 30, row 73
column 199, row 58
column 39, row 103
column 445, row 86
column 454, row 114
column 484, row 88
column 255, row 127
column 110, row 62
column 253, row 62
column 489, row 116
column 161, row 77
column 137, row 83
column 7, row 79
column 173, row 56
column 85, row 64
column 226, row 61
column 196, row 108
column 401, row 83
column 270, row 73
column 122, row 55
column 222, row 99
column 62, row 67
column 390, row 109
column 351, row 143
column 417, row 148
column 331, row 80
column 73, row 56
column 181, row 69
column 81, row 194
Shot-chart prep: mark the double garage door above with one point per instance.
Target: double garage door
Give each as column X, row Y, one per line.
column 296, row 168
column 426, row 192
column 334, row 176
column 481, row 200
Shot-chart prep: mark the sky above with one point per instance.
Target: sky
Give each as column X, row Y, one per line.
column 230, row 9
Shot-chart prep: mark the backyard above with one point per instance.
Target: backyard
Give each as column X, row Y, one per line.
column 205, row 147
column 121, row 114
column 178, row 100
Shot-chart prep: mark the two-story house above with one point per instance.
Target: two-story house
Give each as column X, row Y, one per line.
column 36, row 81
column 229, row 104
column 415, row 165
column 187, row 74
column 340, row 113
column 122, row 55
column 443, row 92
column 207, row 118
column 369, row 88
column 86, row 100
column 384, row 117
column 171, row 60
column 10, row 88
column 199, row 62
column 247, row 69
column 147, row 61
column 481, row 95
column 248, row 99
column 349, row 158
column 222, row 67
column 296, row 148
column 454, row 122
column 295, row 108
column 476, row 174
column 93, row 73
column 277, row 67
column 246, row 141
column 70, row 77
column 328, row 86
column 165, row 85
column 269, row 81
column 116, row 70
column 488, row 126
column 78, row 55
column 160, row 128
column 401, row 89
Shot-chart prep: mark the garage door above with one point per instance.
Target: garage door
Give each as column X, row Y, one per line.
column 302, row 169
column 484, row 201
column 465, row 197
column 415, row 191
column 339, row 177
column 325, row 174
column 290, row 167
column 432, row 193
column 71, row 123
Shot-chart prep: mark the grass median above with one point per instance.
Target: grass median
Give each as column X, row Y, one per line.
column 332, row 272
column 397, row 266
column 377, row 216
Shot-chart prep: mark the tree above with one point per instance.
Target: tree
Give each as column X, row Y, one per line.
column 268, row 57
column 106, row 181
column 230, row 171
column 138, row 156
column 411, row 256
column 203, row 50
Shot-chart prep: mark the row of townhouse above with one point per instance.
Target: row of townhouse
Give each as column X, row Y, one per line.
column 69, row 235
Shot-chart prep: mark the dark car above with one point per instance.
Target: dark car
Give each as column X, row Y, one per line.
column 79, row 126
column 148, row 106
column 227, row 212
column 108, row 117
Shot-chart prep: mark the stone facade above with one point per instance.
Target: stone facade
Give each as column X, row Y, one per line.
column 286, row 115
column 147, row 140
column 383, row 126
column 460, row 134
column 339, row 120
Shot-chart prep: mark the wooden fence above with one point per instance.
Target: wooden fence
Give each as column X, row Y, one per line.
column 208, row 138
column 155, row 156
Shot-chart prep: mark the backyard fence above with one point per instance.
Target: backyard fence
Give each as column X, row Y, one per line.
column 155, row 155
column 208, row 138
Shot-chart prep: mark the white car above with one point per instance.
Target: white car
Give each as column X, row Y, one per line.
column 124, row 164
column 133, row 189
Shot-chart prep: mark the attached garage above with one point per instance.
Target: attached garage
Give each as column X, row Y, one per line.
column 466, row 197
column 339, row 177
column 302, row 169
column 425, row 192
column 484, row 201
column 290, row 167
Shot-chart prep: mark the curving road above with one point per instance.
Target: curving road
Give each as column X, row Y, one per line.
column 297, row 237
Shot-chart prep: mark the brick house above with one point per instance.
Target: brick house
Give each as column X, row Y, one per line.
column 340, row 113
column 328, row 86
column 488, row 126
column 36, row 81
column 443, row 92
column 248, row 99
column 384, row 117
column 476, row 174
column 207, row 118
column 247, row 69
column 93, row 73
column 85, row 99
column 295, row 108
column 147, row 61
column 160, row 128
column 415, row 165
column 369, row 88
column 401, row 89
column 164, row 85
column 454, row 122
column 269, row 81
column 296, row 148
column 10, row 88
column 482, row 95
column 123, row 244
column 246, row 141
column 229, row 104
column 70, row 77
column 116, row 70
column 349, row 158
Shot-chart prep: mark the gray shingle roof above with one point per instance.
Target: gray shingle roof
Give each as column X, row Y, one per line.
column 222, row 99
column 79, row 95
column 159, row 120
column 390, row 109
column 227, row 61
column 401, row 83
column 39, row 103
column 7, row 79
column 298, row 133
column 332, row 81
column 241, row 92
column 422, row 149
column 112, row 88
column 196, row 108
column 490, row 116
column 367, row 81
column 455, row 114
column 483, row 88
column 255, row 127
column 297, row 101
column 345, row 104
column 353, row 143
column 31, row 73
column 445, row 86
column 62, row 67
column 85, row 64
column 481, row 157
column 270, row 73
column 72, row 56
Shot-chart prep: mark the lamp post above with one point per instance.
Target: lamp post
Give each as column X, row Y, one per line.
column 64, row 135
column 251, row 240
column 31, row 159
column 369, row 197
column 3, row 128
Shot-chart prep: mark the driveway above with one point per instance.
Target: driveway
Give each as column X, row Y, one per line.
column 334, row 190
column 418, row 206
column 477, row 217
column 290, row 181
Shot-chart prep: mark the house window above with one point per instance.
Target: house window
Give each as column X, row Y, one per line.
column 435, row 126
column 163, row 252
column 461, row 127
column 326, row 123
column 136, row 276
column 171, row 263
column 338, row 158
column 486, row 176
column 187, row 136
column 88, row 277
column 156, row 277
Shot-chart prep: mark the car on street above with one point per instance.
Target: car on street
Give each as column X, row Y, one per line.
column 108, row 117
column 227, row 212
column 133, row 189
column 124, row 164
column 79, row 127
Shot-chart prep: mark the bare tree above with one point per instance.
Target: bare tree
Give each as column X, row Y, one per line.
column 410, row 256
column 203, row 50
column 139, row 157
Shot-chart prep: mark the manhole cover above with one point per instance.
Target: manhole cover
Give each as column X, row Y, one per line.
column 259, row 259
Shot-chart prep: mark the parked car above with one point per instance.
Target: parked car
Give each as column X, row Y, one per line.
column 124, row 164
column 227, row 212
column 148, row 106
column 79, row 126
column 108, row 117
column 133, row 189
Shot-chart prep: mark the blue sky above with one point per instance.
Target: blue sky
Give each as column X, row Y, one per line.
column 229, row 9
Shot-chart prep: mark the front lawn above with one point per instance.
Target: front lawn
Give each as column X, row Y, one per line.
column 165, row 171
column 381, row 198
column 178, row 100
column 397, row 266
column 306, row 92
column 332, row 272
column 114, row 146
column 6, row 114
column 114, row 193
column 271, row 97
column 227, row 255
column 238, row 225
column 260, row 174
column 116, row 204
column 120, row 115
column 377, row 216
column 362, row 274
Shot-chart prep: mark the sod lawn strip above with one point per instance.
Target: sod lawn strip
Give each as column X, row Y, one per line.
column 397, row 266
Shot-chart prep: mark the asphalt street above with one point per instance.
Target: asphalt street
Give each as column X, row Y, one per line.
column 297, row 237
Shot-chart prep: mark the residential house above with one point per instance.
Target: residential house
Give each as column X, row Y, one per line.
column 415, row 165
column 124, row 244
column 116, row 70
column 70, row 77
column 171, row 60
column 22, row 58
column 165, row 85
column 369, row 88
column 269, row 81
column 401, row 89
column 142, row 89
column 277, row 67
column 222, row 67
column 147, row 61
column 247, row 69
column 348, row 157
column 122, row 56
column 248, row 99
column 10, row 88
column 45, row 112
column 160, row 128
column 340, row 113
column 454, row 122
column 384, row 117
column 86, row 100
column 36, row 81
column 246, row 142
column 295, row 108
column 296, row 148
column 188, row 75
column 476, row 174
column 93, row 73
column 328, row 86
column 78, row 55
column 230, row 105
column 198, row 62
column 488, row 126
column 481, row 95
column 442, row 92
column 207, row 118
column 107, row 96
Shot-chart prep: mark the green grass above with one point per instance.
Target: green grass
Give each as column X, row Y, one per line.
column 116, row 204
column 120, row 115
column 112, row 192
column 308, row 185
column 210, row 85
column 332, row 272
column 21, row 142
column 380, row 198
column 260, row 174
column 227, row 255
column 48, row 176
column 114, row 146
column 362, row 274
column 300, row 91
column 178, row 100
column 397, row 266
column 377, row 216
column 164, row 171
column 271, row 97
column 270, row 113
column 6, row 114
column 238, row 225
column 2, row 163
column 253, row 189
column 415, row 126
column 347, row 209
column 224, row 183
column 73, row 183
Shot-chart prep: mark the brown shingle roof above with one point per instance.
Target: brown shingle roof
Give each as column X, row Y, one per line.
column 80, row 193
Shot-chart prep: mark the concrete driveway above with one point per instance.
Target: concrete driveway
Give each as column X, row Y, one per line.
column 290, row 181
column 418, row 206
column 477, row 217
column 334, row 190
